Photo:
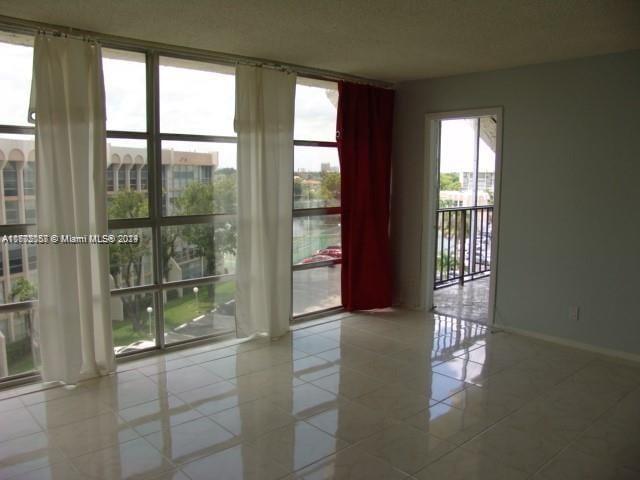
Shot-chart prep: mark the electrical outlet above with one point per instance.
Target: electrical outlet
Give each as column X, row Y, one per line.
column 574, row 313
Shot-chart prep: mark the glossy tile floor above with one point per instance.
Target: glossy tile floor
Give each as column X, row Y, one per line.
column 389, row 395
column 469, row 301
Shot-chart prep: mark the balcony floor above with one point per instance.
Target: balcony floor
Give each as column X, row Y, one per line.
column 469, row 302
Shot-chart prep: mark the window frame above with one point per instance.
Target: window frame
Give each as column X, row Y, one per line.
column 156, row 219
column 28, row 306
column 312, row 212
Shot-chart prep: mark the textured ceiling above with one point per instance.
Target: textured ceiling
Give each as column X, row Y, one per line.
column 389, row 40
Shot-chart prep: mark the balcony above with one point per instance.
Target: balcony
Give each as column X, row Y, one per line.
column 463, row 262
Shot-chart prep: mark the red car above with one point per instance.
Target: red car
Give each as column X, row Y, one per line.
column 317, row 258
column 333, row 251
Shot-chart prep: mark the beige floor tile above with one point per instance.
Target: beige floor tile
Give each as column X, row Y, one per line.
column 349, row 464
column 240, row 462
column 395, row 401
column 18, row 423
column 371, row 395
column 156, row 415
column 252, row 419
column 135, row 459
column 188, row 378
column 572, row 464
column 304, row 401
column 484, row 402
column 350, row 421
column 463, row 465
column 296, row 445
column 449, row 423
column 524, row 451
column 218, row 397
column 9, row 404
column 405, row 447
column 89, row 435
column 27, row 453
column 464, row 370
column 191, row 440
column 348, row 383
column 61, row 471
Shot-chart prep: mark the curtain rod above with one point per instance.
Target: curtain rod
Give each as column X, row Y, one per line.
column 29, row 27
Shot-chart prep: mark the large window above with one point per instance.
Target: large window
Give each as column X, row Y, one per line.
column 172, row 185
column 317, row 250
column 18, row 263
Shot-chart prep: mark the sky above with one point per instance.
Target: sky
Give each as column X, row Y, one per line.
column 457, row 145
column 192, row 100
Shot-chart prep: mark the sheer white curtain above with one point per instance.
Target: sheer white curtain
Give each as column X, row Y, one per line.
column 265, row 101
column 73, row 280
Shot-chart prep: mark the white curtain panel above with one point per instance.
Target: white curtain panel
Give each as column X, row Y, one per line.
column 265, row 103
column 74, row 327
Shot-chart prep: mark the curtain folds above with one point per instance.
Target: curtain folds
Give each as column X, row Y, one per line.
column 265, row 102
column 364, row 128
column 73, row 280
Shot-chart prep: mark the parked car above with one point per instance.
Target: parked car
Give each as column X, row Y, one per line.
column 317, row 258
column 333, row 251
column 134, row 347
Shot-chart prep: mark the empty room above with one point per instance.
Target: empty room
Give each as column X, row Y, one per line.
column 359, row 239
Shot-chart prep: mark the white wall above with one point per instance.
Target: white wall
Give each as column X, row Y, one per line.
column 570, row 220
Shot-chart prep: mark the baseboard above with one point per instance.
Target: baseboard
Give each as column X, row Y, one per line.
column 607, row 352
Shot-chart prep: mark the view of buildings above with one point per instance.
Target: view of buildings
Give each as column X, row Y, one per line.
column 463, row 194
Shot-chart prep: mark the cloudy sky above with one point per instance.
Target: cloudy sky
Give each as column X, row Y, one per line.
column 457, row 145
column 192, row 100
column 201, row 101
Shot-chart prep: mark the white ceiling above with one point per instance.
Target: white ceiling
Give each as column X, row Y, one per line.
column 389, row 40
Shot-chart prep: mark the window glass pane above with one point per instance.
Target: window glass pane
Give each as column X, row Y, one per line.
column 127, row 195
column 316, row 238
column 16, row 55
column 316, row 180
column 17, row 185
column 458, row 143
column 125, row 90
column 133, row 322
column 316, row 110
column 316, row 289
column 196, row 97
column 19, row 277
column 198, row 250
column 198, row 178
column 130, row 262
column 191, row 312
column 20, row 351
column 487, row 161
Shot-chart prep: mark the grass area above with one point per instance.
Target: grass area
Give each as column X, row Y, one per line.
column 22, row 364
column 178, row 311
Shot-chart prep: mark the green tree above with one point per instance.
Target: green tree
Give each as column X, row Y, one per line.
column 128, row 204
column 330, row 186
column 23, row 290
column 220, row 197
column 450, row 182
column 125, row 259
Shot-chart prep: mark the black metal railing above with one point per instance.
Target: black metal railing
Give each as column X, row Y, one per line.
column 463, row 244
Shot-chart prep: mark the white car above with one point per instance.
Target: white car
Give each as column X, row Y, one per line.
column 134, row 347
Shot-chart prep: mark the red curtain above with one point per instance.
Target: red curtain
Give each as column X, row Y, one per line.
column 365, row 118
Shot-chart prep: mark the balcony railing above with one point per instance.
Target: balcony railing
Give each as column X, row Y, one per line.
column 463, row 245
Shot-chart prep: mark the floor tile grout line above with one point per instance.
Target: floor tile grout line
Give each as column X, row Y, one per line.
column 577, row 437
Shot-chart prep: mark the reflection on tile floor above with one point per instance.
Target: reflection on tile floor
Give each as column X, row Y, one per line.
column 387, row 395
column 469, row 302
